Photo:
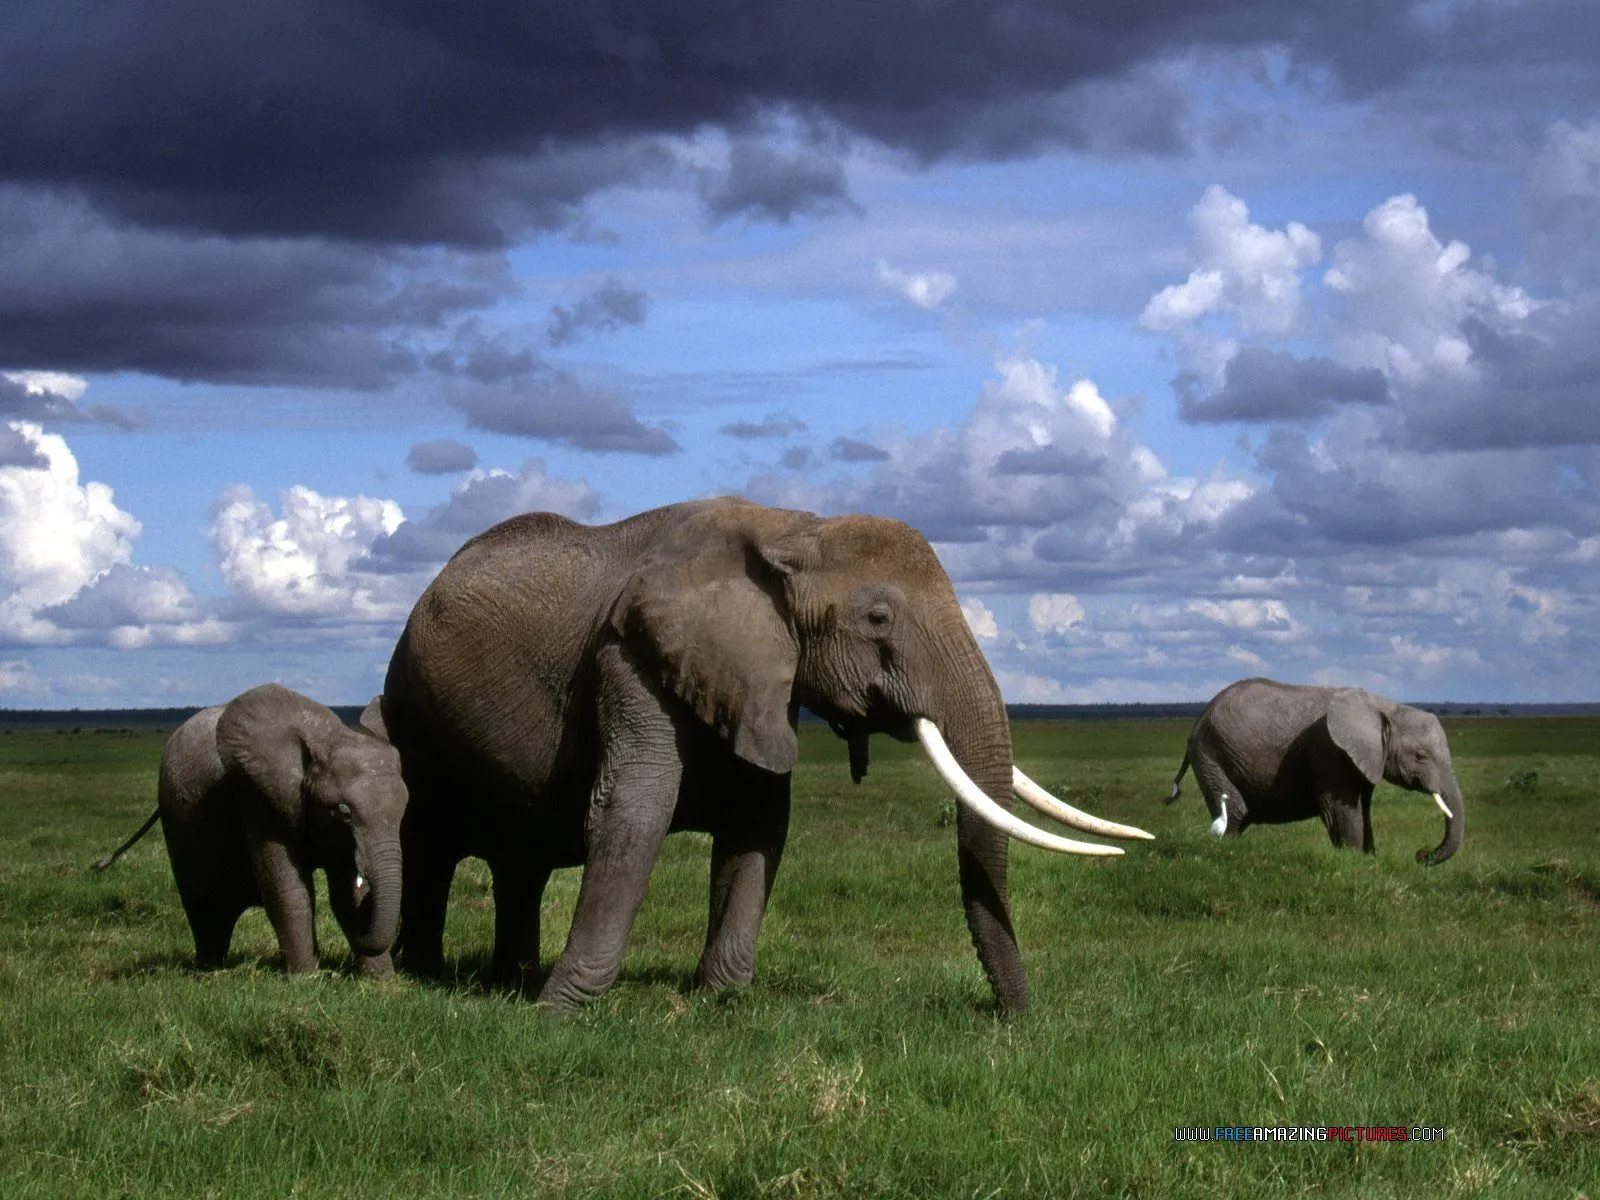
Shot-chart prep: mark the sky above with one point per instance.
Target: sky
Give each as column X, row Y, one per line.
column 1203, row 338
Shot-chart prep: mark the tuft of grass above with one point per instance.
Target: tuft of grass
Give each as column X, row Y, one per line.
column 1262, row 980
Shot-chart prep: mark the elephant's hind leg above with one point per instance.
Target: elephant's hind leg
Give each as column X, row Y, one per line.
column 518, row 892
column 1222, row 796
column 428, row 865
column 630, row 810
column 745, row 853
column 212, row 925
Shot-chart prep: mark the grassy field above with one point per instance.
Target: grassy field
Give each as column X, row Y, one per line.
column 1267, row 980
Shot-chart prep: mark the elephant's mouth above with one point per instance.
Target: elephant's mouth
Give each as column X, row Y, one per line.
column 855, row 736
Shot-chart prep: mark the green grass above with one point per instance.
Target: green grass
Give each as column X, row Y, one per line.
column 1265, row 980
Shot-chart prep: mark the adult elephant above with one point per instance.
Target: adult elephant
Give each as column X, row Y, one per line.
column 568, row 694
column 1267, row 753
column 254, row 796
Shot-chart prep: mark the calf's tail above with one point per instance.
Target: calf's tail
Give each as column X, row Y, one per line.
column 120, row 850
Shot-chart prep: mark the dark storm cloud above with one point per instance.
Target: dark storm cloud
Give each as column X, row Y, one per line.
column 1376, row 495
column 1047, row 460
column 506, row 388
column 80, row 293
column 18, row 451
column 554, row 405
column 852, row 450
column 605, row 310
column 18, row 403
column 773, row 425
column 228, row 192
column 475, row 505
column 411, row 121
column 446, row 456
column 761, row 181
column 1534, row 385
column 1267, row 385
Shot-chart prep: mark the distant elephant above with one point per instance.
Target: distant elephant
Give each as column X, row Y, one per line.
column 567, row 694
column 1268, row 753
column 254, row 796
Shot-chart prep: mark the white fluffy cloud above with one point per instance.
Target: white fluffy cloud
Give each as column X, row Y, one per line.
column 301, row 564
column 1054, row 612
column 980, row 620
column 52, row 383
column 1244, row 614
column 925, row 289
column 1249, row 270
column 1410, row 296
column 57, row 534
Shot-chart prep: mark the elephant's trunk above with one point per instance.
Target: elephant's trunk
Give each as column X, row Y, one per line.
column 974, row 724
column 377, row 914
column 1455, row 825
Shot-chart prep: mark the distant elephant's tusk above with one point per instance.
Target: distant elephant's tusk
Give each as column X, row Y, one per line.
column 1036, row 797
column 1443, row 807
column 985, row 808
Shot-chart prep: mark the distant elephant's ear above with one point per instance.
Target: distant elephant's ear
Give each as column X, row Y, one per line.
column 1356, row 726
column 372, row 720
column 709, row 606
column 271, row 735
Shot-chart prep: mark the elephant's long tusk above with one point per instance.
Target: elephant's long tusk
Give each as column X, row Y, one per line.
column 1036, row 797
column 982, row 806
column 1443, row 807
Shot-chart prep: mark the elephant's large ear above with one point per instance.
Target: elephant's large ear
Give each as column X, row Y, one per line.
column 1356, row 726
column 274, row 737
column 711, row 607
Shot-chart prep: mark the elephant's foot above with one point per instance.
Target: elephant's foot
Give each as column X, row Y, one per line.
column 573, row 984
column 374, row 966
column 719, row 971
column 425, row 964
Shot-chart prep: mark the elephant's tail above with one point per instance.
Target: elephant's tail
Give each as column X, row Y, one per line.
column 120, row 850
column 1182, row 767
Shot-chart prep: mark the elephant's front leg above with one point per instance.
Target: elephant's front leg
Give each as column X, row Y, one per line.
column 1348, row 817
column 745, row 852
column 630, row 811
column 288, row 894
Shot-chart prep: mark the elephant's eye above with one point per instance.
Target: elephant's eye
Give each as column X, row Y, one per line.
column 880, row 617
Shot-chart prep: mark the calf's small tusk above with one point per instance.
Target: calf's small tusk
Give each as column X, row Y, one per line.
column 1443, row 807
column 1220, row 825
column 981, row 805
column 1036, row 797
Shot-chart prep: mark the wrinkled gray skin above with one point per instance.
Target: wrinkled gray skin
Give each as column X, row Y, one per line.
column 1274, row 752
column 257, row 794
column 567, row 694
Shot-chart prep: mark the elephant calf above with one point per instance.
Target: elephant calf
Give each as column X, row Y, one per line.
column 254, row 796
column 1267, row 753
